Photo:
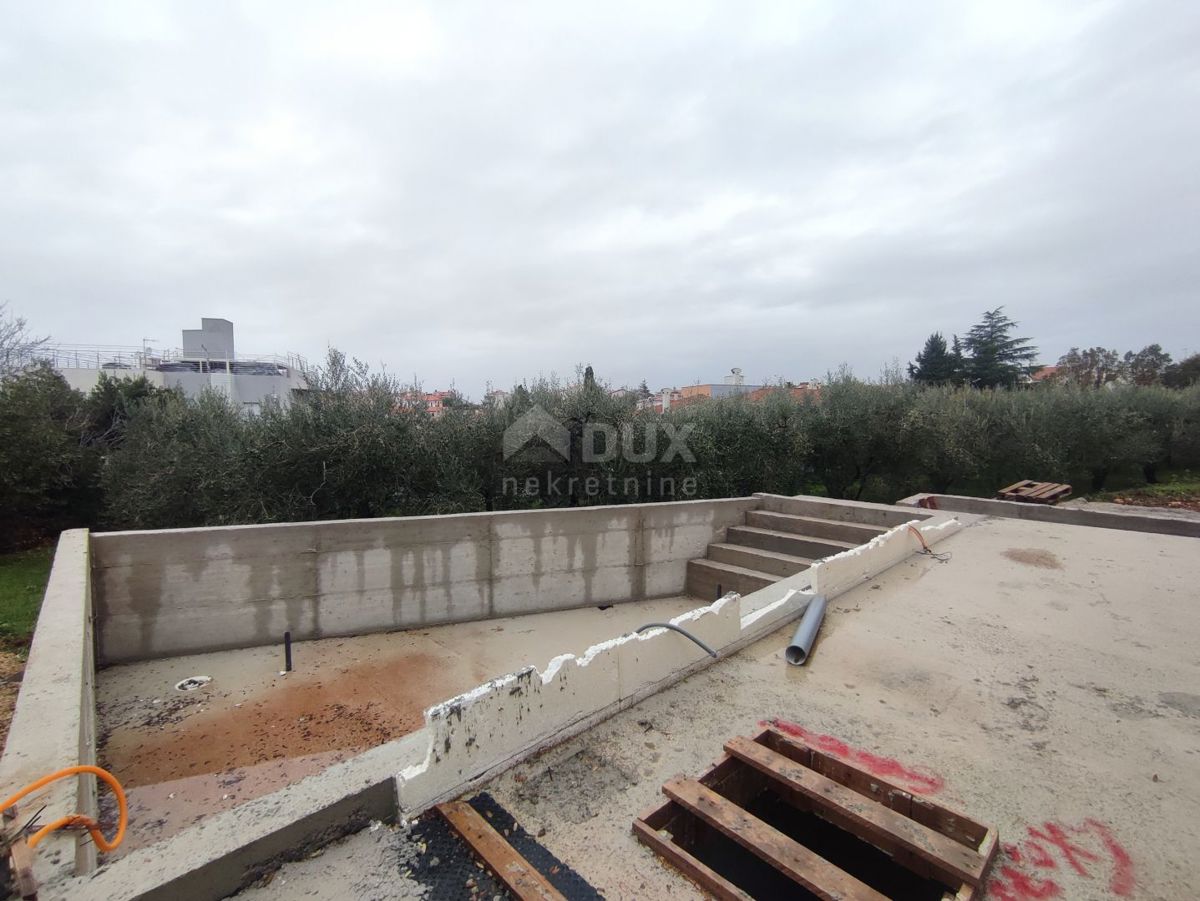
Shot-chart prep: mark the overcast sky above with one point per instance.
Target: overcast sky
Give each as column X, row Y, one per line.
column 475, row 192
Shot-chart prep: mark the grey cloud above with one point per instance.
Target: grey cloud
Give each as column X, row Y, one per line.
column 479, row 192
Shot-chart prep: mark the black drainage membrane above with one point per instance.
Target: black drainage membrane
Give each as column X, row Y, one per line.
column 448, row 867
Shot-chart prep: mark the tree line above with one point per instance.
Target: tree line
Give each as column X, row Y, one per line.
column 129, row 455
column 990, row 356
column 132, row 455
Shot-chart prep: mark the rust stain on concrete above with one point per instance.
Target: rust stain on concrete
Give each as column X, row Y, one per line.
column 1033, row 557
column 351, row 709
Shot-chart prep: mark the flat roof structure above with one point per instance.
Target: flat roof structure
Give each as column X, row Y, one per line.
column 1035, row 671
column 1043, row 679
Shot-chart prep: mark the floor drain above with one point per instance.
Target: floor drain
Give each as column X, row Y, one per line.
column 191, row 683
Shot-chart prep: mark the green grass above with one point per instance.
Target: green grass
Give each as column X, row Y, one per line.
column 1179, row 484
column 22, row 582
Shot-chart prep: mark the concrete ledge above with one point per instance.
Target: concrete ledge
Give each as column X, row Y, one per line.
column 1068, row 516
column 499, row 721
column 226, row 852
column 885, row 515
column 54, row 722
column 841, row 572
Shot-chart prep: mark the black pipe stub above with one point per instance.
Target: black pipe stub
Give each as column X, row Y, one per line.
column 287, row 652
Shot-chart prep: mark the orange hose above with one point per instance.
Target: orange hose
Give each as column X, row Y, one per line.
column 78, row 820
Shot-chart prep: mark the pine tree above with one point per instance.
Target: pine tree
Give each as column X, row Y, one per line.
column 997, row 359
column 1146, row 367
column 935, row 364
column 960, row 361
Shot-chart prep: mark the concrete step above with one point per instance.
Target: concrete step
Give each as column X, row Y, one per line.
column 786, row 542
column 813, row 526
column 755, row 558
column 710, row 579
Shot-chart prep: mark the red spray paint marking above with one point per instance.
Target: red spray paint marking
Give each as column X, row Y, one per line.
column 1020, row 887
column 1056, row 836
column 1040, row 857
column 1016, row 880
column 919, row 783
column 1122, row 882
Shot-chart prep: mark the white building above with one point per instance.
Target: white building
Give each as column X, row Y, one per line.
column 206, row 360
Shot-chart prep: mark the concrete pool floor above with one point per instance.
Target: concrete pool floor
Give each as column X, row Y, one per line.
column 1045, row 680
column 251, row 730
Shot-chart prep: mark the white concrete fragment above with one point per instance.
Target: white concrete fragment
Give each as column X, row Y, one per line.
column 843, row 571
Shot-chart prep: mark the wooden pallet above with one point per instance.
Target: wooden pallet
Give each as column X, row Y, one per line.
column 1032, row 492
column 705, row 828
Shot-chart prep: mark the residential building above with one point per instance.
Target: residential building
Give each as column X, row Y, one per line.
column 435, row 403
column 801, row 391
column 661, row 401
column 205, row 361
column 733, row 384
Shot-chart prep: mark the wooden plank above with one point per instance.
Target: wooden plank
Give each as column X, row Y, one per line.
column 880, row 790
column 734, row 780
column 989, row 847
column 1063, row 492
column 955, row 862
column 1045, row 490
column 950, row 823
column 791, row 858
column 517, row 874
column 704, row 876
column 1014, row 486
column 20, row 857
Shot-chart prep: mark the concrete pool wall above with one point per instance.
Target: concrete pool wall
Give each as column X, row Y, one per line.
column 122, row 596
column 185, row 591
column 54, row 723
column 470, row 738
column 159, row 594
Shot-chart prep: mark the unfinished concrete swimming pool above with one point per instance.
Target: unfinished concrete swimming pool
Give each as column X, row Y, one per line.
column 429, row 653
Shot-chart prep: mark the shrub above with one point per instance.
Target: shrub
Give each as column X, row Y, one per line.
column 47, row 473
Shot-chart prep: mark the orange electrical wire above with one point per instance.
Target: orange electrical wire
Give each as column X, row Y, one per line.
column 921, row 538
column 78, row 820
column 926, row 549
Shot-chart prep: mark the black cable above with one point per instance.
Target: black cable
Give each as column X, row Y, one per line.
column 683, row 632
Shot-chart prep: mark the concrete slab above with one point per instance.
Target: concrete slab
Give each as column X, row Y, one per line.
column 1044, row 679
column 1082, row 503
column 183, row 756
